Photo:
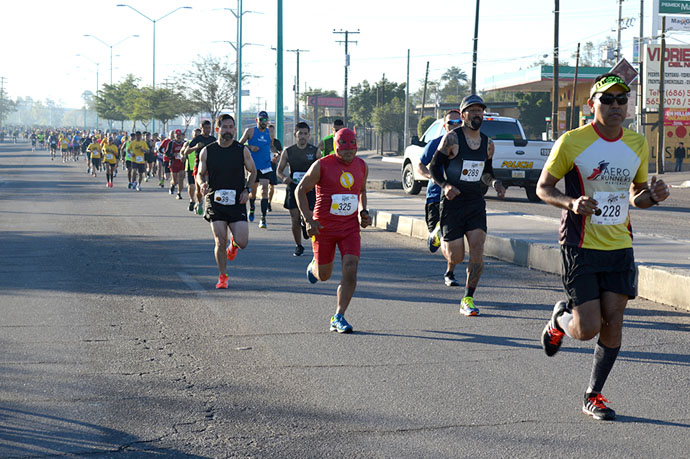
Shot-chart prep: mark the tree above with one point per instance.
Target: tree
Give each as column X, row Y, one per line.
column 424, row 124
column 390, row 118
column 7, row 106
column 534, row 108
column 365, row 98
column 211, row 85
column 116, row 102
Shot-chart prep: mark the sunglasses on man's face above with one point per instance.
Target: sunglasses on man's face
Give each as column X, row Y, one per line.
column 607, row 98
column 263, row 119
column 454, row 122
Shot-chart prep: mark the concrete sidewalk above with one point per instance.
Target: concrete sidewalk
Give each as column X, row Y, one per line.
column 532, row 241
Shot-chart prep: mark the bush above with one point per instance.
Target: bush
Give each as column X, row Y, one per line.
column 424, row 124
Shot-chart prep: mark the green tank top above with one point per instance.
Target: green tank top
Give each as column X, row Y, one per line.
column 327, row 145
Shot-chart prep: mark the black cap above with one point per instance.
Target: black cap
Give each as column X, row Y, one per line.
column 472, row 99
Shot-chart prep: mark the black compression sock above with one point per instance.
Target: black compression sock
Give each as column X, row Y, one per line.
column 604, row 358
column 264, row 206
column 252, row 204
column 469, row 291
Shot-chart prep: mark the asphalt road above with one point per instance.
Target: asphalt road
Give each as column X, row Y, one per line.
column 669, row 220
column 114, row 342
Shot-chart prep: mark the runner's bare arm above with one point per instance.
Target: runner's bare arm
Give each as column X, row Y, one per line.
column 281, row 167
column 439, row 160
column 488, row 178
column 201, row 174
column 308, row 182
column 645, row 196
column 247, row 137
column 319, row 149
column 365, row 218
column 547, row 191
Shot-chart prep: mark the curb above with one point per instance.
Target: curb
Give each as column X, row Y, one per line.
column 654, row 283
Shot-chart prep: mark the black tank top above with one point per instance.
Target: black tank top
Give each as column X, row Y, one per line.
column 300, row 159
column 466, row 169
column 225, row 167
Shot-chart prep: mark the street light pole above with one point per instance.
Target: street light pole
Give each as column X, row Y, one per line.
column 111, row 58
column 153, row 121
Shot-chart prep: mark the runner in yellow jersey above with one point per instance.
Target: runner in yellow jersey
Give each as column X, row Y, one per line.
column 605, row 170
column 94, row 150
column 139, row 148
column 110, row 160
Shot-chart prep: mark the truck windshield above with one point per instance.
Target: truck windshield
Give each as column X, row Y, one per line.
column 501, row 130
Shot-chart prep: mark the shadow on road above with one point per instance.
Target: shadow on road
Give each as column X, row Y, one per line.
column 26, row 433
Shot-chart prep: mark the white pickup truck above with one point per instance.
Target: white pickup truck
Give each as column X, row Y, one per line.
column 517, row 161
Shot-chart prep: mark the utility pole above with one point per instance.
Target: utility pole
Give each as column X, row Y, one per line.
column 406, row 135
column 640, row 86
column 554, row 104
column 572, row 104
column 426, row 80
column 474, row 52
column 297, row 51
column 662, row 95
column 347, row 62
column 620, row 23
column 279, row 76
column 2, row 100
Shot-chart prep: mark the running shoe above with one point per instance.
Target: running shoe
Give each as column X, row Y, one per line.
column 594, row 406
column 262, row 223
column 178, row 197
column 552, row 335
column 111, row 184
column 146, row 179
column 115, row 174
column 299, row 250
column 310, row 276
column 129, row 185
column 231, row 252
column 191, row 206
column 138, row 187
column 449, row 280
column 161, row 183
column 107, row 184
column 434, row 241
column 468, row 308
column 222, row 281
column 269, row 207
column 339, row 324
column 199, row 209
column 251, row 215
column 172, row 189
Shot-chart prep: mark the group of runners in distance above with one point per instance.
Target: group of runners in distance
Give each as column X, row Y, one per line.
column 605, row 167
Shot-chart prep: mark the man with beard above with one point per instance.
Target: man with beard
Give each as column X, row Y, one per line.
column 341, row 209
column 220, row 178
column 461, row 163
column 299, row 157
column 260, row 143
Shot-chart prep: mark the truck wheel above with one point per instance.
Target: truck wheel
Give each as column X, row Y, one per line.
column 532, row 194
column 409, row 184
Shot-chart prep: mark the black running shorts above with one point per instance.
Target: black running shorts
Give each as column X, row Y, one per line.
column 588, row 272
column 218, row 212
column 432, row 214
column 290, row 200
column 458, row 218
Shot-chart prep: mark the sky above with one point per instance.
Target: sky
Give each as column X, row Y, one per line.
column 44, row 53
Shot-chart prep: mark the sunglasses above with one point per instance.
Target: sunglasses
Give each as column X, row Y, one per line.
column 607, row 99
column 454, row 122
column 263, row 119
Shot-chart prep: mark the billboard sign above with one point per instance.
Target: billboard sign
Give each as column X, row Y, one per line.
column 674, row 6
column 324, row 101
column 676, row 77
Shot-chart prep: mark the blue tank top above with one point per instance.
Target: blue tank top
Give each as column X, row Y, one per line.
column 262, row 158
